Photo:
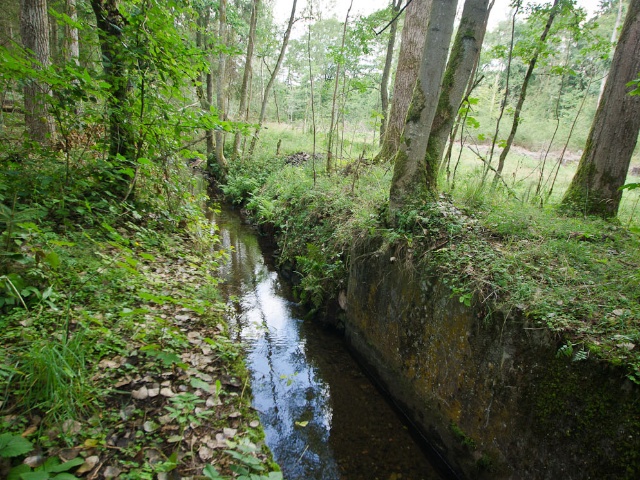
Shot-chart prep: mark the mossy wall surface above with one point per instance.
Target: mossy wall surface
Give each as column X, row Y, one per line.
column 489, row 391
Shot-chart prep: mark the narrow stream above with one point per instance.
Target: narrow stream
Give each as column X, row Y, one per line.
column 322, row 417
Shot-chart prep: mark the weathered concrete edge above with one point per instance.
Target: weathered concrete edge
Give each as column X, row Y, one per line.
column 489, row 392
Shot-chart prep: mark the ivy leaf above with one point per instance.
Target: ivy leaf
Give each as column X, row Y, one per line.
column 14, row 445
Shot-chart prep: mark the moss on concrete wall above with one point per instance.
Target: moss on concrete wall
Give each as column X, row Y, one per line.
column 489, row 391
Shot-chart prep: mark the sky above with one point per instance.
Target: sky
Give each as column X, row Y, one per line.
column 282, row 8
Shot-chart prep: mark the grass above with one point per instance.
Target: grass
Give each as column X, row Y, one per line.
column 96, row 301
column 579, row 277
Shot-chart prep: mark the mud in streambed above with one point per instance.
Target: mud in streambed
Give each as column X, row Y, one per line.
column 322, row 416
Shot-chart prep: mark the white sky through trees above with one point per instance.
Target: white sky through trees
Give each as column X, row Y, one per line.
column 282, row 8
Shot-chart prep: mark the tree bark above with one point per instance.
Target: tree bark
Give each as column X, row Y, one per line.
column 413, row 180
column 272, row 79
column 34, row 29
column 411, row 47
column 523, row 92
column 462, row 61
column 71, row 39
column 246, row 76
column 386, row 72
column 595, row 188
column 220, row 90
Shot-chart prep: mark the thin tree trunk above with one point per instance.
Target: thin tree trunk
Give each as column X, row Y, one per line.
column 386, row 72
column 411, row 47
column 34, row 29
column 206, row 79
column 555, row 131
column 335, row 94
column 415, row 181
column 121, row 135
column 272, row 79
column 275, row 100
column 566, row 143
column 462, row 60
column 505, row 99
column 523, row 93
column 72, row 42
column 313, row 108
column 595, row 187
column 220, row 90
column 614, row 35
column 246, row 76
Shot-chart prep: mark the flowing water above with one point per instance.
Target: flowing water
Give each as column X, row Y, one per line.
column 322, row 416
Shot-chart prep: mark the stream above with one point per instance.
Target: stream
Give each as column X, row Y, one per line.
column 322, row 416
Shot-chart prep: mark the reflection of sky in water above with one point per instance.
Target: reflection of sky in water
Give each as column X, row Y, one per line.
column 286, row 388
column 300, row 373
column 280, row 371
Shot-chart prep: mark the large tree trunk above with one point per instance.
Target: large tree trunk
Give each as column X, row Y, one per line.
column 463, row 58
column 413, row 179
column 272, row 79
column 121, row 136
column 34, row 29
column 220, row 90
column 523, row 92
column 411, row 47
column 595, row 188
column 386, row 72
column 247, row 74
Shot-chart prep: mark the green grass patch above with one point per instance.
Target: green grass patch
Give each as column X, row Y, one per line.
column 506, row 250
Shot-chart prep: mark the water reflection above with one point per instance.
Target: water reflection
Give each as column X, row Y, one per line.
column 322, row 417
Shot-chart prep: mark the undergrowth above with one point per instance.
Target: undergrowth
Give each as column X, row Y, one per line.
column 579, row 277
column 99, row 301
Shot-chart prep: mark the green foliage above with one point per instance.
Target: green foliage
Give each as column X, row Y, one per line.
column 184, row 409
column 14, row 445
column 246, row 466
column 51, row 469
column 53, row 376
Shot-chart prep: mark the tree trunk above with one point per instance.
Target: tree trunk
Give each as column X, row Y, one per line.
column 71, row 40
column 335, row 94
column 614, row 35
column 247, row 74
column 595, row 188
column 121, row 136
column 523, row 92
column 272, row 79
column 413, row 180
column 220, row 90
column 34, row 29
column 411, row 47
column 462, row 61
column 386, row 72
column 313, row 106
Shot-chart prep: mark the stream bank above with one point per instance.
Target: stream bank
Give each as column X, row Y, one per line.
column 493, row 394
column 323, row 418
column 508, row 333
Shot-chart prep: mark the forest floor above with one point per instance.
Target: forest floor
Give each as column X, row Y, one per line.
column 125, row 370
